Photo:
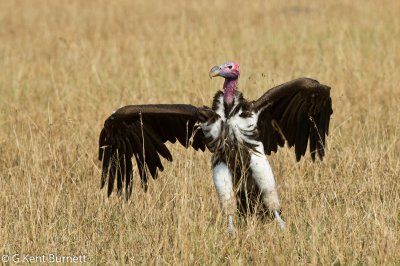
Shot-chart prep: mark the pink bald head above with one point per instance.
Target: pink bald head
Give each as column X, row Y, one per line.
column 228, row 70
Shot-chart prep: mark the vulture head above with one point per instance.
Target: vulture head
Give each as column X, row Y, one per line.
column 228, row 70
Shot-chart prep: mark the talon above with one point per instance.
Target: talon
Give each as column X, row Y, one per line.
column 231, row 227
column 280, row 221
column 232, row 232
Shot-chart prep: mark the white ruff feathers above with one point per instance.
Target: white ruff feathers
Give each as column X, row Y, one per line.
column 239, row 128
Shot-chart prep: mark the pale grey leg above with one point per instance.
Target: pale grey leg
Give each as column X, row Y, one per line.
column 222, row 177
column 263, row 176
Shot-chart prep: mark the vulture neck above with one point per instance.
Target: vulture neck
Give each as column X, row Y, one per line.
column 230, row 86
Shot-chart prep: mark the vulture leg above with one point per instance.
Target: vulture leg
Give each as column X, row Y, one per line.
column 222, row 177
column 264, row 178
column 279, row 219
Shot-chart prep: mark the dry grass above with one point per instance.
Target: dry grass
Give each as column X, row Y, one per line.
column 65, row 65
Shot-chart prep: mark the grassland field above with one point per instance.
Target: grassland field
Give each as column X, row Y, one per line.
column 66, row 65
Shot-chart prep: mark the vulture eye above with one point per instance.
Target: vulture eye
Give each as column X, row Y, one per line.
column 230, row 67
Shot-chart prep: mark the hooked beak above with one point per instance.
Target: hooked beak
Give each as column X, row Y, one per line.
column 214, row 72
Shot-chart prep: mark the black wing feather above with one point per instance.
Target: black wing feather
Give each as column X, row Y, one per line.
column 301, row 110
column 141, row 131
column 128, row 145
column 106, row 156
column 128, row 182
column 111, row 176
column 142, row 173
column 120, row 174
column 313, row 142
column 159, row 145
column 302, row 139
column 102, row 143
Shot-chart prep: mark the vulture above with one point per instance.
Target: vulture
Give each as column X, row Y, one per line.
column 239, row 134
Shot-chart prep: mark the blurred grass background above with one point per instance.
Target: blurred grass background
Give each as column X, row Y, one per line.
column 66, row 65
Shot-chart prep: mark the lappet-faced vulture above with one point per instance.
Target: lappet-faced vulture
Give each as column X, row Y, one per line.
column 238, row 133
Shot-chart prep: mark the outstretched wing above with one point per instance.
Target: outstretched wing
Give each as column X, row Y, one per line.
column 141, row 131
column 298, row 112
